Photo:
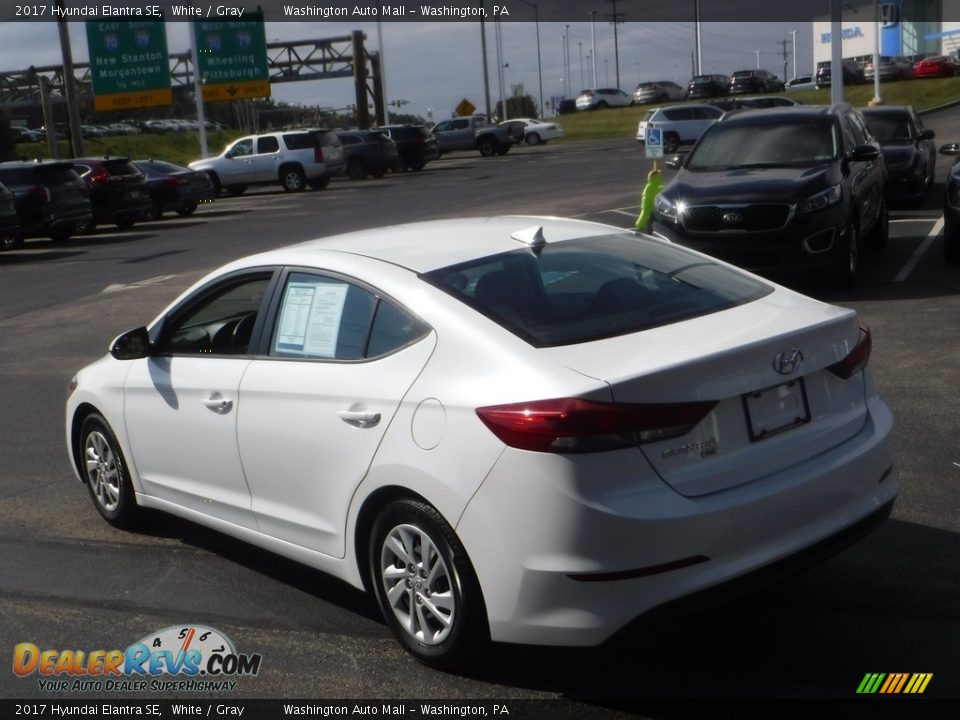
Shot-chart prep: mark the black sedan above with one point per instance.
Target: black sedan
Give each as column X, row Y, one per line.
column 908, row 150
column 174, row 187
column 951, row 207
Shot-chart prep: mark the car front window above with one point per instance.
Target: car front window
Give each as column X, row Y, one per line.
column 795, row 143
column 891, row 130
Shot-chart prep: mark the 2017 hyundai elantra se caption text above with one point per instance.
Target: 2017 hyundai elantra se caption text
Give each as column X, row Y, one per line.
column 521, row 429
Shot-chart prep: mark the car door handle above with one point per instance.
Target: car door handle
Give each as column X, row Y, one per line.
column 218, row 404
column 359, row 418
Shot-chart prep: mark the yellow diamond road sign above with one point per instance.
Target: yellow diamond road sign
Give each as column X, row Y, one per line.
column 465, row 108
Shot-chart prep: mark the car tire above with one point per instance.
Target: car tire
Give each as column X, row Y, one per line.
column 188, row 208
column 62, row 234
column 951, row 243
column 11, row 241
column 154, row 212
column 602, row 105
column 533, row 138
column 881, row 228
column 410, row 580
column 236, row 190
column 503, row 149
column 671, row 142
column 356, row 170
column 417, row 166
column 292, row 178
column 105, row 472
column 215, row 181
column 319, row 183
column 849, row 264
column 487, row 147
column 126, row 222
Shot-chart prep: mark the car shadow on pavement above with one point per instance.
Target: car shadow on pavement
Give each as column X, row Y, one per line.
column 885, row 605
column 15, row 258
column 288, row 572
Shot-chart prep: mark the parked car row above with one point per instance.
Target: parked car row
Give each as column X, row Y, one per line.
column 62, row 198
column 890, row 67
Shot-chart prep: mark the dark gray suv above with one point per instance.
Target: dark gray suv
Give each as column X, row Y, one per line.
column 51, row 198
column 780, row 190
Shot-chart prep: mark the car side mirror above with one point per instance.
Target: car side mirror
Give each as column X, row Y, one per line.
column 132, row 345
column 927, row 135
column 864, row 153
column 950, row 149
column 674, row 162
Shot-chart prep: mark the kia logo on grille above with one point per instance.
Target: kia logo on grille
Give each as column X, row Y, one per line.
column 732, row 218
column 788, row 361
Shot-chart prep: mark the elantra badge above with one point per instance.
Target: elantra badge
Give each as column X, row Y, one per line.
column 788, row 361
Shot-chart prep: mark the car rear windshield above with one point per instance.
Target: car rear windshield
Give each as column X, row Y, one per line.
column 120, row 167
column 39, row 174
column 702, row 80
column 586, row 289
column 743, row 73
column 891, row 129
column 159, row 168
column 791, row 143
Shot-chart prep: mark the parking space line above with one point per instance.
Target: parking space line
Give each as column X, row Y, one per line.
column 915, row 220
column 622, row 212
column 918, row 253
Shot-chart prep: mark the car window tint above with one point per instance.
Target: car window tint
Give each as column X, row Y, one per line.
column 392, row 329
column 220, row 322
column 581, row 290
column 298, row 141
column 242, row 148
column 863, row 129
column 267, row 144
column 891, row 129
column 322, row 317
column 803, row 142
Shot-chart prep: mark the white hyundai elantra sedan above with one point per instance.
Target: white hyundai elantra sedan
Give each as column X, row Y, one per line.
column 521, row 429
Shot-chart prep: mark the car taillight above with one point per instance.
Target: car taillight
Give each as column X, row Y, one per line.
column 857, row 359
column 41, row 193
column 174, row 181
column 575, row 425
column 100, row 175
column 318, row 154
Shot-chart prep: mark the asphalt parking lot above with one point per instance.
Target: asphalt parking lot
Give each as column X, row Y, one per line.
column 68, row 580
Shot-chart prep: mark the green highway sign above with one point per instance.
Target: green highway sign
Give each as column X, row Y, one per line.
column 232, row 59
column 129, row 64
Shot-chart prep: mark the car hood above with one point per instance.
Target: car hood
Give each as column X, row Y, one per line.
column 779, row 184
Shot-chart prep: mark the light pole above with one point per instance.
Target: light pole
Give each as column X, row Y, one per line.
column 877, row 100
column 580, row 47
column 606, row 73
column 536, row 21
column 758, row 58
column 383, row 75
column 616, row 44
column 593, row 44
column 793, row 34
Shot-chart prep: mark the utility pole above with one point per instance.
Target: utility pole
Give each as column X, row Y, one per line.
column 783, row 52
column 615, row 18
column 486, row 72
column 793, row 34
column 758, row 58
column 593, row 45
column 70, row 89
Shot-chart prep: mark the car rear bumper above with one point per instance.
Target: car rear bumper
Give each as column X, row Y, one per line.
column 569, row 550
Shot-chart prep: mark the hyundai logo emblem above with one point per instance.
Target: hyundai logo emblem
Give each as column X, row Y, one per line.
column 788, row 361
column 732, row 218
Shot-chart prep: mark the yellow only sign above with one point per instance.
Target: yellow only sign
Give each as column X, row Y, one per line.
column 129, row 100
column 465, row 108
column 236, row 91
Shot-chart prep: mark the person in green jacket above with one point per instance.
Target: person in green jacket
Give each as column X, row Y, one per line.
column 647, row 197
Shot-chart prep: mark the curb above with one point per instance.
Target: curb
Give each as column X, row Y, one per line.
column 945, row 106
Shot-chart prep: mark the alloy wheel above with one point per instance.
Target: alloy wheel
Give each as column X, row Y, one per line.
column 103, row 472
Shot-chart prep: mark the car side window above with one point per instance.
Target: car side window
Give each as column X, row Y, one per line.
column 443, row 126
column 861, row 129
column 849, row 139
column 267, row 144
column 463, row 124
column 241, row 148
column 328, row 318
column 219, row 321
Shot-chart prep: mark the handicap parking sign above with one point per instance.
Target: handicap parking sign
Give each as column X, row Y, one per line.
column 653, row 142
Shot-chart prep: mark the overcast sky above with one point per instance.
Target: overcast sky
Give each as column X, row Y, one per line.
column 434, row 65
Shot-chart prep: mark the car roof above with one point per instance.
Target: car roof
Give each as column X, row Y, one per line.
column 425, row 246
column 773, row 115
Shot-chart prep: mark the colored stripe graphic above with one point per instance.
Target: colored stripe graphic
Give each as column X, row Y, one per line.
column 894, row 683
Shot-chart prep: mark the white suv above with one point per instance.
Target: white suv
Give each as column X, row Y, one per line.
column 603, row 98
column 681, row 124
column 293, row 158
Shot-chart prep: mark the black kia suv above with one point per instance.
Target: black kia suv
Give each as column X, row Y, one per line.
column 51, row 198
column 780, row 190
